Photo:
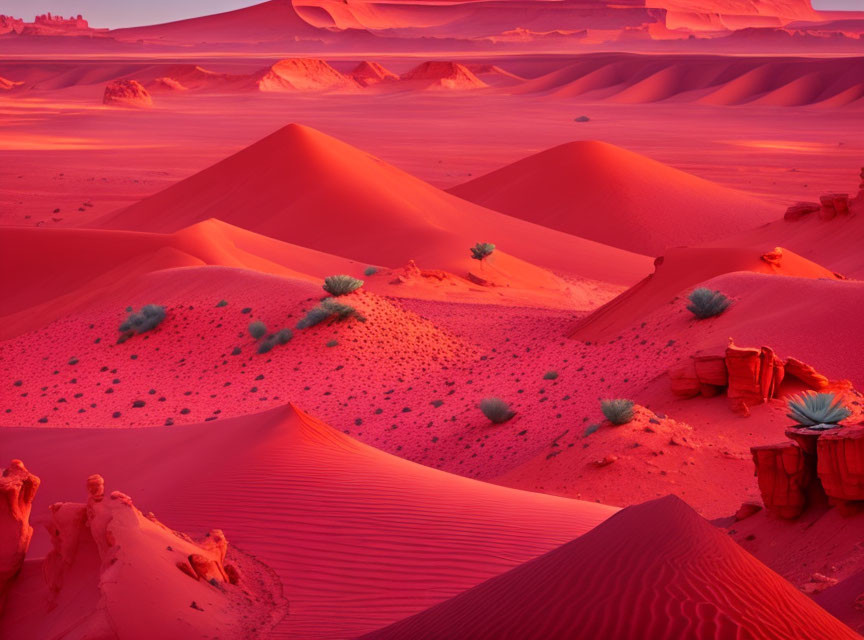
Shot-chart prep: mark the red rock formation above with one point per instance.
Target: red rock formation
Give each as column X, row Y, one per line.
column 800, row 210
column 840, row 464
column 129, row 93
column 805, row 373
column 754, row 376
column 785, row 474
column 152, row 582
column 833, row 204
column 17, row 490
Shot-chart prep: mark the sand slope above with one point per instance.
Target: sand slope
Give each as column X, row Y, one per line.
column 656, row 570
column 359, row 538
column 683, row 269
column 605, row 193
column 282, row 186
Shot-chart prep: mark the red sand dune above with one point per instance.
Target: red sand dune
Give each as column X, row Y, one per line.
column 272, row 21
column 358, row 538
column 656, row 570
column 443, row 75
column 712, row 79
column 368, row 73
column 303, row 74
column 601, row 192
column 683, row 269
column 834, row 243
column 376, row 213
column 97, row 264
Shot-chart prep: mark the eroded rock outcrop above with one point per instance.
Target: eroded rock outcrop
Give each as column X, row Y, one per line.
column 128, row 93
column 125, row 575
column 840, row 464
column 785, row 474
column 749, row 375
column 17, row 490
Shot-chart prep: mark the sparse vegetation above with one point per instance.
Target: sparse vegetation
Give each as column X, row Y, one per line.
column 266, row 345
column 818, row 411
column 257, row 329
column 283, row 336
column 482, row 250
column 329, row 308
column 591, row 428
column 496, row 410
column 150, row 316
column 341, row 285
column 618, row 411
column 332, row 343
column 705, row 303
column 550, row 375
column 370, row 271
column 222, row 303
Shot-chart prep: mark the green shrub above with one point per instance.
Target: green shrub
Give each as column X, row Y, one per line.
column 329, row 308
column 618, row 411
column 370, row 271
column 150, row 316
column 222, row 303
column 591, row 428
column 550, row 375
column 332, row 343
column 817, row 411
column 496, row 410
column 705, row 303
column 283, row 336
column 482, row 250
column 257, row 329
column 266, row 345
column 341, row 285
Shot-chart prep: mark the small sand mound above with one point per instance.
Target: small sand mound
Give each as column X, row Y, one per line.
column 367, row 73
column 303, row 74
column 444, row 75
column 127, row 93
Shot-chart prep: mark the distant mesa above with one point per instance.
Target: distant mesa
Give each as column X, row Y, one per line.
column 47, row 25
column 127, row 93
column 443, row 75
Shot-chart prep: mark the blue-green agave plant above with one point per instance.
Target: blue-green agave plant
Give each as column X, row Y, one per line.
column 818, row 411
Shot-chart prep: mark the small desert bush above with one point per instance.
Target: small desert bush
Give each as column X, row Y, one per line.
column 150, row 316
column 482, row 250
column 329, row 309
column 222, row 303
column 618, row 411
column 817, row 410
column 283, row 336
column 705, row 303
column 496, row 410
column 370, row 271
column 341, row 285
column 332, row 343
column 550, row 375
column 257, row 329
column 266, row 346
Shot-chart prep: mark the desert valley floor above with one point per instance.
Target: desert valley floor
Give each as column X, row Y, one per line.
column 339, row 444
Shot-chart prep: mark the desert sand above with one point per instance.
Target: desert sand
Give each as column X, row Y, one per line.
column 433, row 320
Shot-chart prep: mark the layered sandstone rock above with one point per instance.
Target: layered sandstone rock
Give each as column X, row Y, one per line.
column 833, row 204
column 840, row 464
column 129, row 93
column 17, row 490
column 754, row 376
column 785, row 474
